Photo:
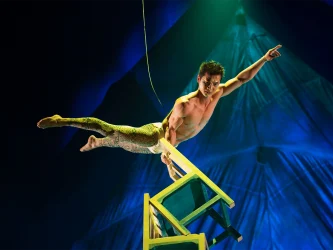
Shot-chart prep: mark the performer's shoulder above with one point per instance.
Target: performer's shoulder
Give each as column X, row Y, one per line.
column 185, row 98
column 182, row 99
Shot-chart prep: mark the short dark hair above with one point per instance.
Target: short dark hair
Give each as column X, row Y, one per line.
column 211, row 67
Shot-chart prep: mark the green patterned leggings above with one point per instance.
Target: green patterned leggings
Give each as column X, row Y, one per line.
column 133, row 139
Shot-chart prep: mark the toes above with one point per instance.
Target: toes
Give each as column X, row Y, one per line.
column 85, row 148
column 39, row 124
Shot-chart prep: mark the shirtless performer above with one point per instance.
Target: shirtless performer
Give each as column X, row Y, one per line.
column 188, row 117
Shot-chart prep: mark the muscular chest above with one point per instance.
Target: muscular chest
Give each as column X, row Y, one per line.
column 199, row 115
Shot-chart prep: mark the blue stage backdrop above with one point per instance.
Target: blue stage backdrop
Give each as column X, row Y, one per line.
column 269, row 145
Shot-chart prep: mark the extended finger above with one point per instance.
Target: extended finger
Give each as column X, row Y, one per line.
column 277, row 47
column 168, row 161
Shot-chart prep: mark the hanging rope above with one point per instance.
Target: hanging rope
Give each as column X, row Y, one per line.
column 144, row 29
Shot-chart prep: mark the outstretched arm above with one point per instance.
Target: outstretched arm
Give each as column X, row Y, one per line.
column 248, row 73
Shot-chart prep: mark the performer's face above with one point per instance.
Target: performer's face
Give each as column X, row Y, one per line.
column 208, row 84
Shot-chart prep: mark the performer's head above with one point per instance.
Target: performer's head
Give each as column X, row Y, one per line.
column 209, row 78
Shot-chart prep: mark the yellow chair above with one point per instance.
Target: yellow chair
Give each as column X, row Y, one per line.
column 153, row 236
column 187, row 199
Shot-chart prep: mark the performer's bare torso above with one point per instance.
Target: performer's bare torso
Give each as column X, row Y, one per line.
column 196, row 115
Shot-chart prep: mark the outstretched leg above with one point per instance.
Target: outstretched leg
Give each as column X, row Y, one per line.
column 145, row 136
column 94, row 142
column 87, row 123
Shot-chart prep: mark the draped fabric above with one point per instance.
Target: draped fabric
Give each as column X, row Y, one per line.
column 269, row 146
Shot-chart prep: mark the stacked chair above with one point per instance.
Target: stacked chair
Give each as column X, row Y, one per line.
column 193, row 196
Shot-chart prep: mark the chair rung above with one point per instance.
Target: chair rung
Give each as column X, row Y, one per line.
column 199, row 211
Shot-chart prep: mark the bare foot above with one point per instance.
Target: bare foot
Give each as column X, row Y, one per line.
column 91, row 144
column 49, row 122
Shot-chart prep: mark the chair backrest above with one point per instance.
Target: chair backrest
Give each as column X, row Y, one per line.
column 182, row 202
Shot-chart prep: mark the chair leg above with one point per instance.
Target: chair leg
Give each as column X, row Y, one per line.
column 218, row 238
